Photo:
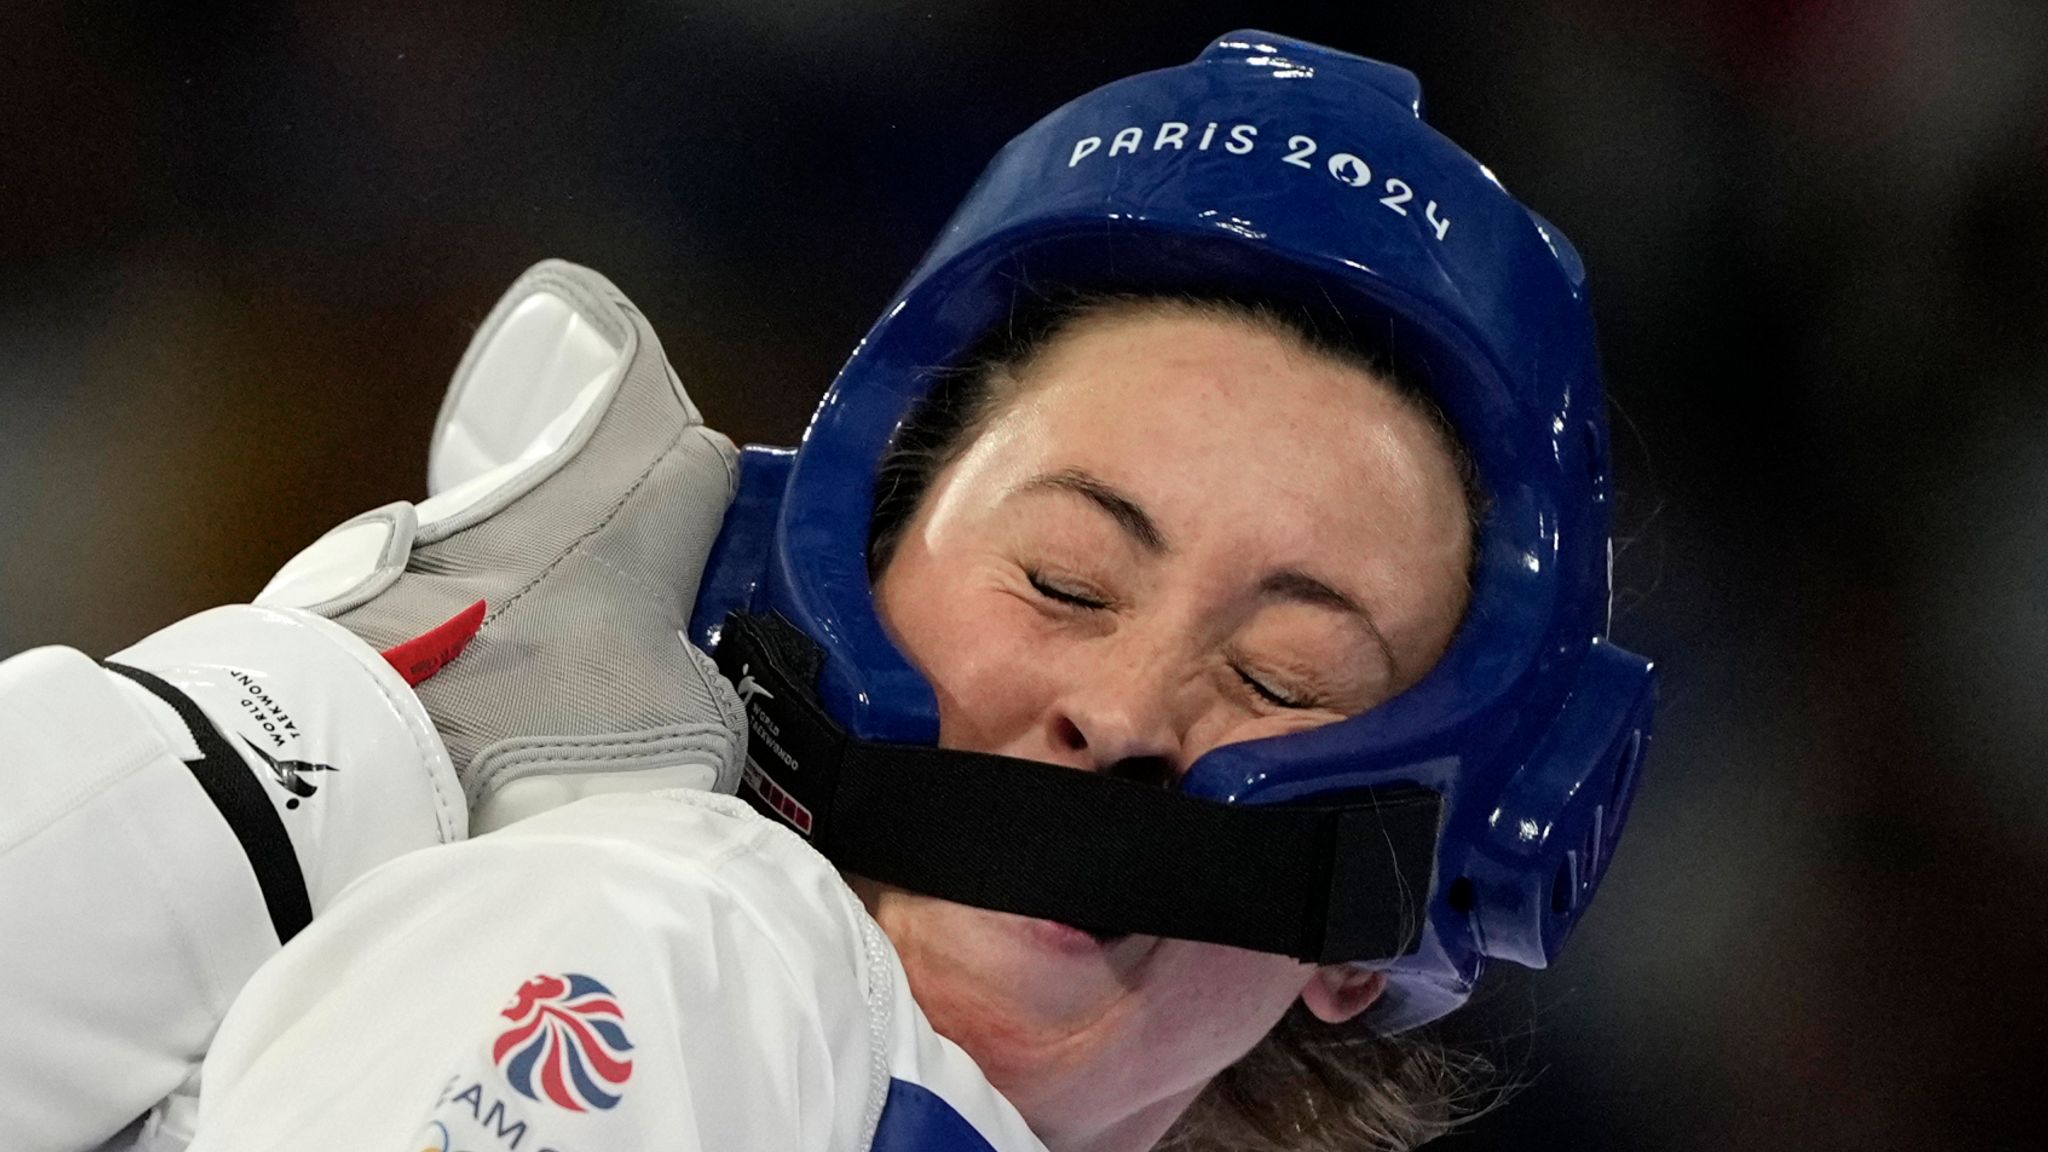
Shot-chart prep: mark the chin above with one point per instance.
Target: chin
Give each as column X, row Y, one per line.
column 1005, row 986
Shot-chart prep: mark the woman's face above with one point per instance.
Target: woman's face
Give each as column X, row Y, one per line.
column 1184, row 531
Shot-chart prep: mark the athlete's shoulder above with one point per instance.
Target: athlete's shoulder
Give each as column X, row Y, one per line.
column 707, row 889
column 926, row 1092
column 621, row 973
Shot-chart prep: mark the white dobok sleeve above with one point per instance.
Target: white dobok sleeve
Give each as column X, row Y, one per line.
column 662, row 971
column 162, row 827
column 128, row 915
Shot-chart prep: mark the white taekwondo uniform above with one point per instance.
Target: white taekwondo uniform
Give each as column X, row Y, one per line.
column 664, row 971
column 660, row 970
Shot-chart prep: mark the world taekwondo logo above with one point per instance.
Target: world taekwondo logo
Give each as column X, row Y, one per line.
column 290, row 774
column 748, row 687
column 567, row 1044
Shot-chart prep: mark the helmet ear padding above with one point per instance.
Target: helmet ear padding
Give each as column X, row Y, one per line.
column 1278, row 170
column 1536, row 878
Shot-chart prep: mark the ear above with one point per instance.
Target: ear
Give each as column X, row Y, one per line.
column 1337, row 992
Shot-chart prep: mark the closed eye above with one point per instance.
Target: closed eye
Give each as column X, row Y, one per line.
column 1271, row 695
column 1066, row 594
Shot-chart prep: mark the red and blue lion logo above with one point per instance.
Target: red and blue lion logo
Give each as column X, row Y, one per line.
column 567, row 1043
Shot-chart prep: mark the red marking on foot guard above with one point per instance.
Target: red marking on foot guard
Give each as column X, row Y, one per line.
column 424, row 655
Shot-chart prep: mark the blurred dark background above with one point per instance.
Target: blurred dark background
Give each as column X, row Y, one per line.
column 240, row 251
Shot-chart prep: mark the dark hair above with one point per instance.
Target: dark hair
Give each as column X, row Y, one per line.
column 1307, row 1086
column 964, row 398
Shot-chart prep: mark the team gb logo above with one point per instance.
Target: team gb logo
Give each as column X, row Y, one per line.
column 567, row 1043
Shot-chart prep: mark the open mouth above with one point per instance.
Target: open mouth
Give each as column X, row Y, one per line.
column 1073, row 939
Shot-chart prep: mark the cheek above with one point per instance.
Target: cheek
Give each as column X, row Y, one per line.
column 973, row 643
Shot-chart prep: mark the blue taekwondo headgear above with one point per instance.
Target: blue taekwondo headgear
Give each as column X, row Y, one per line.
column 1278, row 170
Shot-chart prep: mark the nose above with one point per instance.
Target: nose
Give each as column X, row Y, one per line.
column 1118, row 721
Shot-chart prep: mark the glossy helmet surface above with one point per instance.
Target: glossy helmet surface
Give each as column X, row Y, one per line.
column 1287, row 171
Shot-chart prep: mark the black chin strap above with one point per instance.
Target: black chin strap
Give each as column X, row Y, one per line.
column 1325, row 883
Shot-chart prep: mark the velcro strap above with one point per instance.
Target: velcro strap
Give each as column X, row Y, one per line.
column 232, row 786
column 1326, row 883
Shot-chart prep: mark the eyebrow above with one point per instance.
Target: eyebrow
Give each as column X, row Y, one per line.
column 1294, row 584
column 1129, row 516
